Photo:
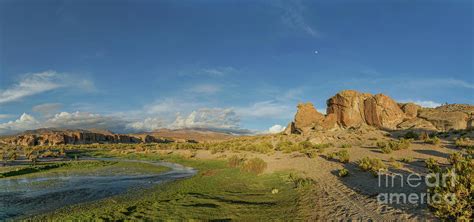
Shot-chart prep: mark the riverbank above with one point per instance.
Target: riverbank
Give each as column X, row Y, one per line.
column 216, row 192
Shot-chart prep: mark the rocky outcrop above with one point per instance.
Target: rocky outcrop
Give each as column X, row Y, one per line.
column 290, row 129
column 410, row 109
column 307, row 117
column 353, row 108
column 383, row 112
column 350, row 108
column 59, row 137
column 447, row 117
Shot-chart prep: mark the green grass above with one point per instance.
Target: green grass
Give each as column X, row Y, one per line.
column 89, row 167
column 217, row 192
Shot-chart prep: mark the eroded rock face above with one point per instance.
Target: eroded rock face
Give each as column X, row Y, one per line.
column 353, row 108
column 410, row 109
column 76, row 137
column 447, row 117
column 384, row 112
column 290, row 129
column 307, row 117
column 348, row 106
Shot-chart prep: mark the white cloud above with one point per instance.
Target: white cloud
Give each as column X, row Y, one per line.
column 266, row 109
column 84, row 120
column 148, row 124
column 276, row 129
column 214, row 118
column 31, row 84
column 5, row 116
column 25, row 122
column 428, row 103
column 218, row 71
column 323, row 111
column 36, row 83
column 205, row 88
column 47, row 109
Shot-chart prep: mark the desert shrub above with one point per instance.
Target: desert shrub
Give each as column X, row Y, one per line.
column 254, row 165
column 458, row 186
column 311, row 153
column 304, row 145
column 331, row 155
column 424, row 136
column 398, row 145
column 235, row 161
column 386, row 150
column 404, row 144
column 263, row 147
column 431, row 163
column 381, row 144
column 322, row 145
column 346, row 145
column 300, row 182
column 411, row 135
column 343, row 156
column 394, row 163
column 283, row 145
column 406, row 159
column 464, row 143
column 343, row 173
column 372, row 165
column 433, row 140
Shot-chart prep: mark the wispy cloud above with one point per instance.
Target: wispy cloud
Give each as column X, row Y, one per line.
column 423, row 103
column 218, row 71
column 47, row 109
column 30, row 84
column 36, row 83
column 5, row 116
column 293, row 17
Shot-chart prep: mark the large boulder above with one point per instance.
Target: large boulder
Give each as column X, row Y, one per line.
column 410, row 109
column 417, row 124
column 348, row 107
column 307, row 117
column 382, row 111
column 353, row 108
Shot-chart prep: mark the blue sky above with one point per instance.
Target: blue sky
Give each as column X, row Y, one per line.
column 142, row 65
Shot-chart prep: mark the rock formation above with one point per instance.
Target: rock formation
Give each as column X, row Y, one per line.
column 44, row 137
column 350, row 108
column 307, row 117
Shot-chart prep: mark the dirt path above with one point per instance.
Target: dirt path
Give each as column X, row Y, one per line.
column 350, row 198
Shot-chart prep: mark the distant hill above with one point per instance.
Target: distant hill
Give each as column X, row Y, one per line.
column 196, row 134
column 52, row 136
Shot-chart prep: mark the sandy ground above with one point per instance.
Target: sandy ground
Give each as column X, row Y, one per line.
column 353, row 197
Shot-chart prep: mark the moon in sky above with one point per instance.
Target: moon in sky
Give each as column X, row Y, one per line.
column 316, row 52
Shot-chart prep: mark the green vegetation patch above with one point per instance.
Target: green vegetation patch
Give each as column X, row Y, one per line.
column 217, row 192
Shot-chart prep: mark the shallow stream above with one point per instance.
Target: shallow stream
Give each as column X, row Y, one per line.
column 20, row 197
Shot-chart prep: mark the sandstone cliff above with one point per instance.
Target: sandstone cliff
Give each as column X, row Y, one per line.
column 59, row 137
column 350, row 108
